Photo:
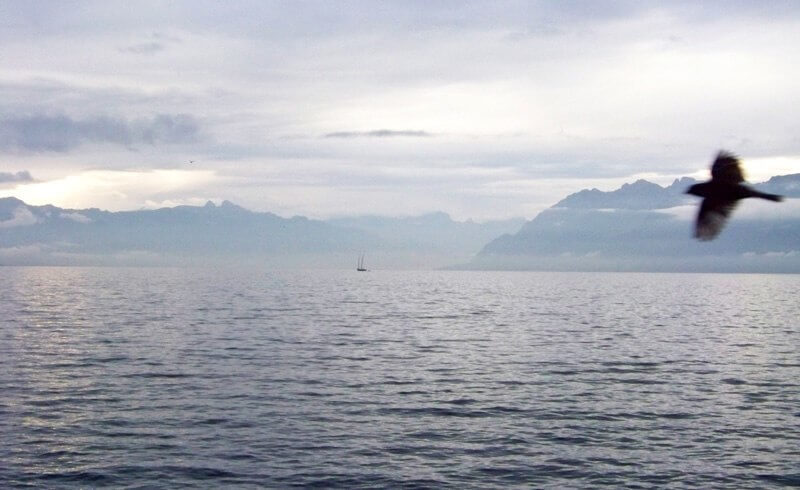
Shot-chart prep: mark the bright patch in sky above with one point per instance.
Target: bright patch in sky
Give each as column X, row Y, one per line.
column 116, row 189
column 761, row 169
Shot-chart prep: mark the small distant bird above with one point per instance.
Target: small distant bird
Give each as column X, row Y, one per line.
column 721, row 194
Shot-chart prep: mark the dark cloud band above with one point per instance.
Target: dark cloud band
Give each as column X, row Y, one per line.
column 23, row 176
column 40, row 133
column 143, row 48
column 380, row 133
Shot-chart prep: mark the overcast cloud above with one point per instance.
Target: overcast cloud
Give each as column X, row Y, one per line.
column 480, row 109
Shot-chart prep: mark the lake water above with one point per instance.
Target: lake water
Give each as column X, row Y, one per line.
column 204, row 378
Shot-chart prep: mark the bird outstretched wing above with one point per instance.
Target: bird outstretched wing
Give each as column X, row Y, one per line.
column 712, row 217
column 726, row 169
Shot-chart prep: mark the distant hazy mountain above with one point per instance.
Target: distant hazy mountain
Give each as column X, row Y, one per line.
column 785, row 185
column 188, row 234
column 639, row 195
column 640, row 226
column 643, row 226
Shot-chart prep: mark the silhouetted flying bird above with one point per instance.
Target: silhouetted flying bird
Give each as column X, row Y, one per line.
column 721, row 194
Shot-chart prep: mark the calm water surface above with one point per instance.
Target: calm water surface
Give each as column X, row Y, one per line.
column 181, row 378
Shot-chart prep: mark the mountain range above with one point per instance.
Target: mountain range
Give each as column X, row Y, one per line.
column 641, row 226
column 33, row 235
column 644, row 226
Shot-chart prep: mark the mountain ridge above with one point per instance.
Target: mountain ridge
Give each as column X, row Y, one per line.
column 644, row 226
column 53, row 235
column 638, row 226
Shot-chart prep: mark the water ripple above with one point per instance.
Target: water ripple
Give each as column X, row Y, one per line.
column 191, row 378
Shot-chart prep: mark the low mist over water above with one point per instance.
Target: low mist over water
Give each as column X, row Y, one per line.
column 200, row 378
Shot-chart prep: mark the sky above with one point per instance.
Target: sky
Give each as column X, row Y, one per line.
column 483, row 110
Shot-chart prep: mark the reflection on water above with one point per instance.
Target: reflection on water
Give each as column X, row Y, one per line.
column 200, row 377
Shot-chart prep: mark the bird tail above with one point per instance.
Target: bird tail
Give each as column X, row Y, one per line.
column 766, row 195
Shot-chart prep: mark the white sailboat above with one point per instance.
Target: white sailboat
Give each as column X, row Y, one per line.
column 360, row 267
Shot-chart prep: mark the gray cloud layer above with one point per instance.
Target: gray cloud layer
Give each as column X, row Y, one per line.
column 22, row 176
column 143, row 48
column 379, row 133
column 43, row 133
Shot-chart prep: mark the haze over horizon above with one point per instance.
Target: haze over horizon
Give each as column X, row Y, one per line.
column 482, row 111
column 640, row 226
